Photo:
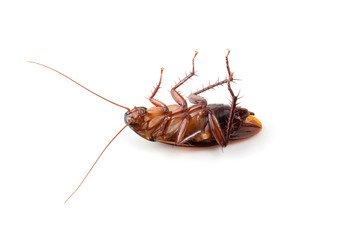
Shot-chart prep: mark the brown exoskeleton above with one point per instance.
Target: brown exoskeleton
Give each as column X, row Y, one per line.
column 199, row 125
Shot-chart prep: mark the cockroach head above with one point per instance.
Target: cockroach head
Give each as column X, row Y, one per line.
column 135, row 116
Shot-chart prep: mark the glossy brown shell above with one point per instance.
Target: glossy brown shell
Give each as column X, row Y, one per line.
column 156, row 118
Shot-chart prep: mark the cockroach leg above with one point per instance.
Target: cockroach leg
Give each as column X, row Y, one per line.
column 158, row 103
column 216, row 129
column 190, row 137
column 180, row 140
column 177, row 96
column 195, row 134
column 196, row 99
column 211, row 86
column 182, row 129
column 232, row 110
column 159, row 131
column 233, row 101
column 227, row 62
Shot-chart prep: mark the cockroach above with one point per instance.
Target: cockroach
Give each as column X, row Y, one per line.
column 199, row 125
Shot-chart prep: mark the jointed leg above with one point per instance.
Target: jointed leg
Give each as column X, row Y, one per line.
column 190, row 137
column 211, row 86
column 160, row 129
column 180, row 138
column 214, row 127
column 213, row 122
column 196, row 99
column 157, row 103
column 227, row 62
column 233, row 101
column 176, row 96
column 216, row 130
column 182, row 130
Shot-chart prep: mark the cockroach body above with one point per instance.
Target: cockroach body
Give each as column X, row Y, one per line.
column 199, row 125
column 157, row 124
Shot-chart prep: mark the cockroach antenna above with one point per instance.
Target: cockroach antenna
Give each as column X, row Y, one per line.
column 87, row 174
column 128, row 109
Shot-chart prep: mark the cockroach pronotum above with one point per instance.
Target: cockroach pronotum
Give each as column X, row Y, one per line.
column 199, row 125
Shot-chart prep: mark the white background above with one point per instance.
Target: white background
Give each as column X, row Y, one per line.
column 298, row 62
